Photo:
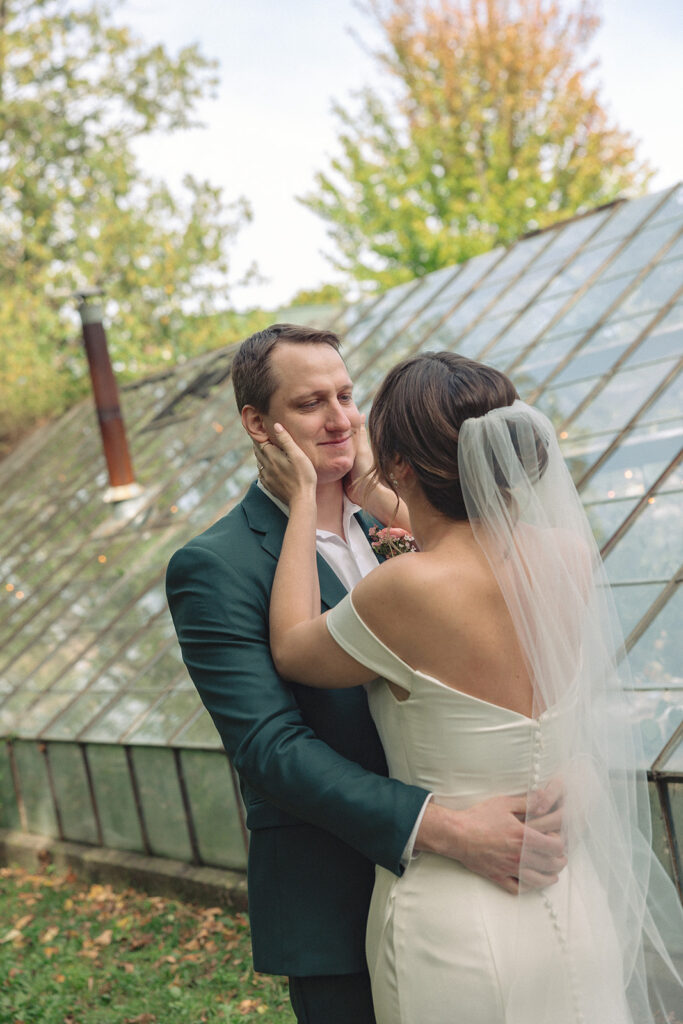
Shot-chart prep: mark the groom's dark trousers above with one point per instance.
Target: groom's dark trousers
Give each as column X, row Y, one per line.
column 320, row 809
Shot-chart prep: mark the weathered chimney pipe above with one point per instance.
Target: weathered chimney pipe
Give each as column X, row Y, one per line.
column 122, row 483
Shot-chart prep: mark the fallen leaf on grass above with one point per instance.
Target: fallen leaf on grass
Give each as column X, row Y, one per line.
column 49, row 934
column 143, row 1018
column 127, row 966
column 60, row 979
column 249, row 1005
column 50, row 951
column 104, row 939
column 12, row 936
column 23, row 921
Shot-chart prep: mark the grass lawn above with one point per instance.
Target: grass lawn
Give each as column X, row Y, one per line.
column 88, row 954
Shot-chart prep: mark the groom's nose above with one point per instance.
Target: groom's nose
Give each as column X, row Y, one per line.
column 337, row 417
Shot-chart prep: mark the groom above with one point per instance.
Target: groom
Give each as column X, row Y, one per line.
column 320, row 808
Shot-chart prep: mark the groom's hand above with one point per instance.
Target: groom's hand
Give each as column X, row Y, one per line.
column 491, row 840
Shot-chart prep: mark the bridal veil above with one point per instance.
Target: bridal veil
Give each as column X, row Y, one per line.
column 529, row 521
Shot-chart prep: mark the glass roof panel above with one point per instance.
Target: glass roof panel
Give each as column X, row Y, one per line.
column 660, row 285
column 657, row 658
column 632, row 602
column 620, row 399
column 674, row 762
column 574, row 234
column 634, row 466
column 672, row 208
column 173, row 711
column 659, row 713
column 630, row 216
column 577, row 273
column 606, row 516
column 641, row 249
column 652, row 549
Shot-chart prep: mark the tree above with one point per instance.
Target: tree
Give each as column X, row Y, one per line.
column 494, row 129
column 76, row 90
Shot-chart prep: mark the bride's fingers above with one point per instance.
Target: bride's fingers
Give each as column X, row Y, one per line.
column 529, row 879
column 547, row 823
column 296, row 456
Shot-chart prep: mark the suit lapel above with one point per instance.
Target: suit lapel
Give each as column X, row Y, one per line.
column 265, row 518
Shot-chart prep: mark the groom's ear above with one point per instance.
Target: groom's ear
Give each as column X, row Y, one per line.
column 253, row 422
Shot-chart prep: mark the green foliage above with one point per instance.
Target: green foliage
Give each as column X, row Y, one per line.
column 74, row 954
column 76, row 90
column 493, row 129
column 324, row 295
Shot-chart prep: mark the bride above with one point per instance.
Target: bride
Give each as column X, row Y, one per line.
column 491, row 660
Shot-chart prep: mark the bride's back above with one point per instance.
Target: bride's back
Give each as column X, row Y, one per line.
column 442, row 612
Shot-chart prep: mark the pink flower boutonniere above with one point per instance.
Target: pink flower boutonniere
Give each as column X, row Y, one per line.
column 390, row 541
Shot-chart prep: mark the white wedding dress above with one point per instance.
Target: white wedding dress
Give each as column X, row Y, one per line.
column 446, row 946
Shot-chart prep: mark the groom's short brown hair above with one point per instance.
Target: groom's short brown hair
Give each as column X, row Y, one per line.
column 252, row 376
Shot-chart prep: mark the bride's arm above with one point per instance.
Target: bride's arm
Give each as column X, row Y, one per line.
column 299, row 640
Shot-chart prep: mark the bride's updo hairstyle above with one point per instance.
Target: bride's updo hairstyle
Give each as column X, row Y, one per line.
column 417, row 414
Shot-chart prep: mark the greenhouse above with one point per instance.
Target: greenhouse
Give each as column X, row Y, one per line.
column 106, row 741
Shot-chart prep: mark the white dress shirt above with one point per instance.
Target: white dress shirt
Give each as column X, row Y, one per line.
column 350, row 560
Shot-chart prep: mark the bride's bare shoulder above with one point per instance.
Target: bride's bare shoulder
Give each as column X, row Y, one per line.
column 395, row 581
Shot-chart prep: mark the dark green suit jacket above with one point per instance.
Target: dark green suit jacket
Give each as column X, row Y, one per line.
column 319, row 806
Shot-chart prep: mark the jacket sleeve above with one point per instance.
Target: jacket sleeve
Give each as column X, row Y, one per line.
column 221, row 618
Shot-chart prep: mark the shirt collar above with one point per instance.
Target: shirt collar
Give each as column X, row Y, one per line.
column 349, row 509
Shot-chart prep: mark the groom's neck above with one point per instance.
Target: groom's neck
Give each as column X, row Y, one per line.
column 330, row 504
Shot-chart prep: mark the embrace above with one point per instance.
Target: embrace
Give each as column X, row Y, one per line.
column 439, row 771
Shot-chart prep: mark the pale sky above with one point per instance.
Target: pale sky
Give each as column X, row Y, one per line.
column 282, row 62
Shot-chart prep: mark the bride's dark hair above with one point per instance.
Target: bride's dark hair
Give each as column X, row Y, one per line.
column 417, row 413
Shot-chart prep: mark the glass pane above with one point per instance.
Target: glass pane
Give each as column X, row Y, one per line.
column 163, row 721
column 201, row 732
column 9, row 809
column 161, row 801
column 620, row 399
column 660, row 840
column 215, row 813
column 604, row 348
column 120, row 717
column 632, row 602
column 657, row 658
column 652, row 549
column 593, row 305
column 115, row 798
column 674, row 762
column 630, row 217
column 34, row 786
column 575, row 234
column 658, row 714
column 575, row 275
column 672, row 208
column 72, row 793
column 634, row 466
column 606, row 517
column 556, row 403
column 641, row 249
column 658, row 288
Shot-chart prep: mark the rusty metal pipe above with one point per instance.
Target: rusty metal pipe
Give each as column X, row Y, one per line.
column 120, row 468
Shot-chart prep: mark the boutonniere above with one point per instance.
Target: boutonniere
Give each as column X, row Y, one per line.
column 391, row 540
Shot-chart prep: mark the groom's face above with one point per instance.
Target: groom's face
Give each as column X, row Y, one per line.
column 313, row 400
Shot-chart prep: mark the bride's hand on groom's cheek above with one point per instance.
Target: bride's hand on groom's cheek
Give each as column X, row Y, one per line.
column 284, row 469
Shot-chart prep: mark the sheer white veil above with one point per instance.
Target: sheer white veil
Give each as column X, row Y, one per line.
column 528, row 519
